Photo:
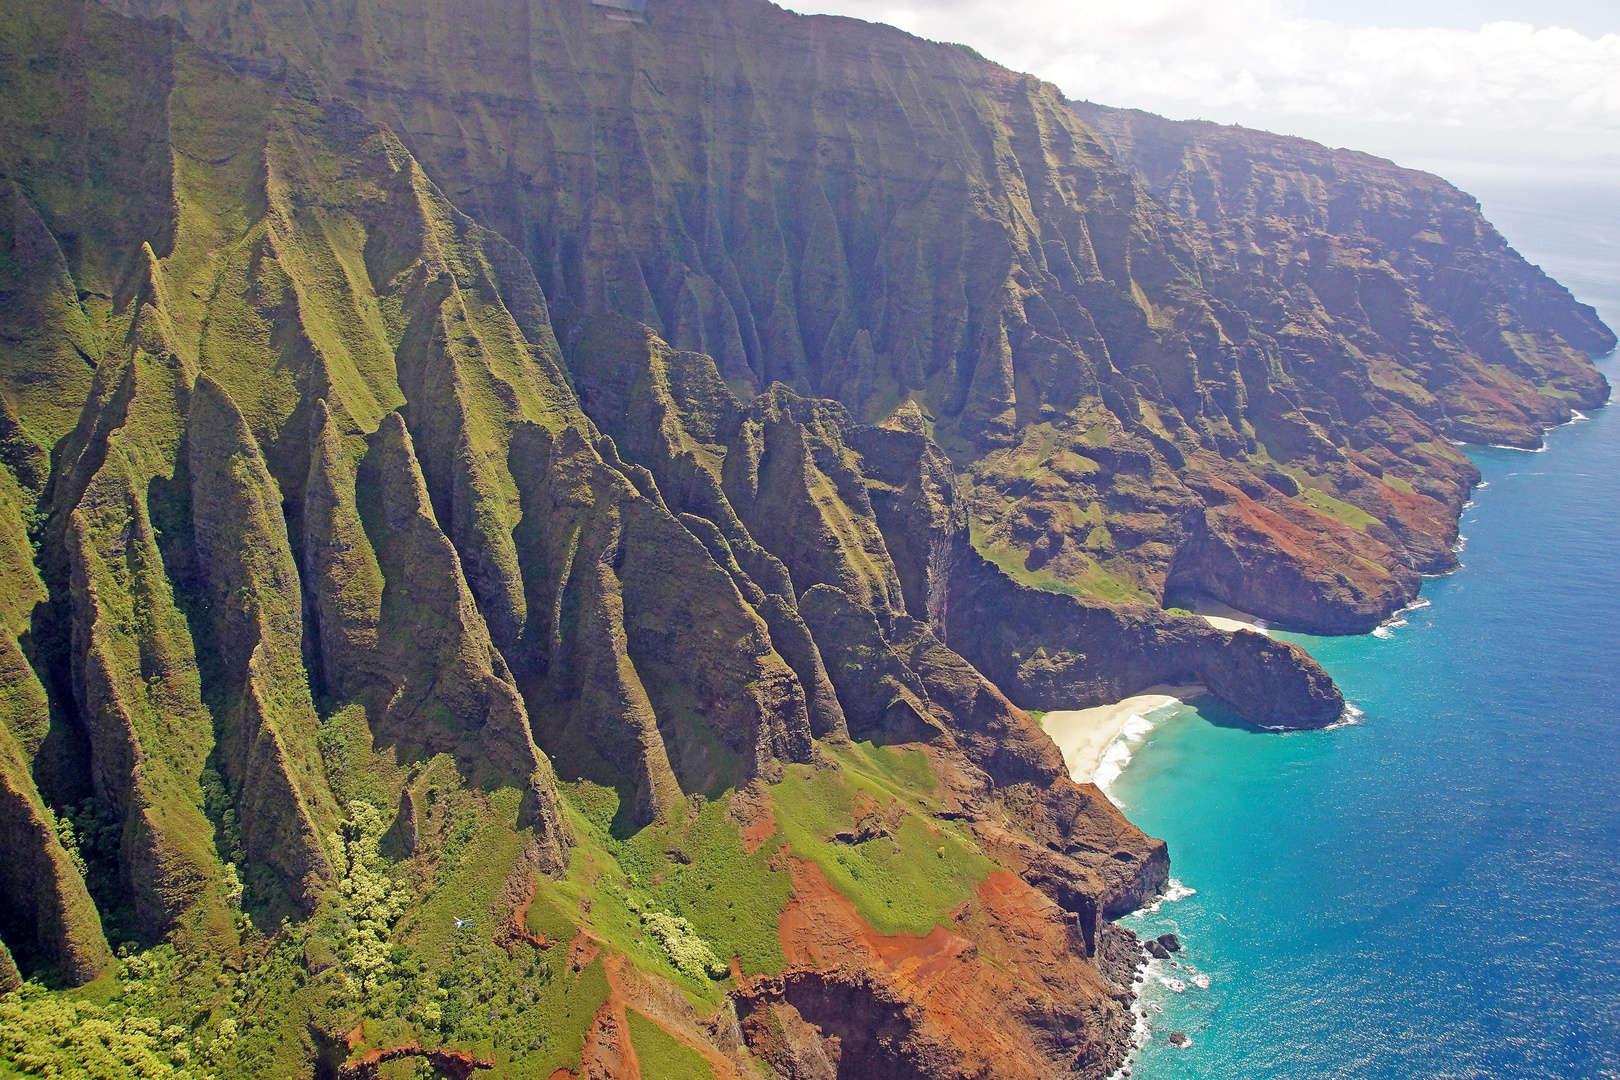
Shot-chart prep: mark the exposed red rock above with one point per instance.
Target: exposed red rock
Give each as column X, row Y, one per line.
column 999, row 992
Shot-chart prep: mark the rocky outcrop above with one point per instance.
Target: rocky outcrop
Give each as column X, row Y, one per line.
column 1322, row 578
column 912, row 487
column 136, row 679
column 1400, row 318
column 672, row 415
column 933, row 1007
column 10, row 977
column 456, row 1064
column 623, row 691
column 1078, row 344
column 1064, row 651
column 884, row 700
column 48, row 921
column 416, row 651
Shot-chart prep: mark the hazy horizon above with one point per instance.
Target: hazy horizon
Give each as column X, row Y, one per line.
column 1492, row 94
column 1517, row 103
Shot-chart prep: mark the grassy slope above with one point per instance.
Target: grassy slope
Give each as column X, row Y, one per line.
column 662, row 1056
column 903, row 882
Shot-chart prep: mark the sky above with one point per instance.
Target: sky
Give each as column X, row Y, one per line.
column 1502, row 95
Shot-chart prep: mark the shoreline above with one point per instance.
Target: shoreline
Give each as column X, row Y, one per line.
column 1085, row 736
column 1225, row 617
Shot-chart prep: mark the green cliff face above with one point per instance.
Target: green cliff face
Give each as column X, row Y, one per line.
column 1086, row 317
column 527, row 530
column 1438, row 318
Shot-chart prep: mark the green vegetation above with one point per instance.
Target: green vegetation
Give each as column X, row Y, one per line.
column 1444, row 450
column 545, row 919
column 158, row 1014
column 299, row 509
column 1339, row 511
column 44, row 1034
column 1050, row 492
column 1094, row 580
column 689, row 953
column 1398, row 381
column 661, row 1055
column 903, row 769
column 164, row 1013
column 352, row 768
column 529, row 1014
column 911, row 871
column 477, row 846
column 692, row 868
column 371, row 901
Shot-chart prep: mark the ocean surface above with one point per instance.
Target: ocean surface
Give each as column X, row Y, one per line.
column 1433, row 891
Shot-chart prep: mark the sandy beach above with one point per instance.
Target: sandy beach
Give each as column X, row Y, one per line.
column 1224, row 617
column 1084, row 735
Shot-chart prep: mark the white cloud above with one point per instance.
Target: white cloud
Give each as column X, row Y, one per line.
column 1238, row 59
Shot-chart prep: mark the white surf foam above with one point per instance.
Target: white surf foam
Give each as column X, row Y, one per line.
column 1132, row 734
column 1386, row 630
column 1141, row 1032
column 1114, row 760
column 1201, row 981
column 1351, row 715
column 1174, row 891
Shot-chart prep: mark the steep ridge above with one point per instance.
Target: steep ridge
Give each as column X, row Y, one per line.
column 1391, row 300
column 656, row 459
column 864, row 216
column 1398, row 262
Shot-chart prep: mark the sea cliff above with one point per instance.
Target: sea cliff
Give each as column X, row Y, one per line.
column 531, row 528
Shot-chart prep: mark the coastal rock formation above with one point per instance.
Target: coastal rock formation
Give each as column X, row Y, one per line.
column 518, row 517
column 1402, row 320
column 1437, row 316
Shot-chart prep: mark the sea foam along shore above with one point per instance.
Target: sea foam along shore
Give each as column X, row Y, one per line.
column 1096, row 742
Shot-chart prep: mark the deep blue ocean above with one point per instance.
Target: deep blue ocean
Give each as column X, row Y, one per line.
column 1433, row 891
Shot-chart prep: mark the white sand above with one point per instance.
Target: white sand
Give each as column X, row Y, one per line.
column 1084, row 735
column 1224, row 617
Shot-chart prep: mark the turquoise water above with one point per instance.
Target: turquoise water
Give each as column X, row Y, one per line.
column 1433, row 891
